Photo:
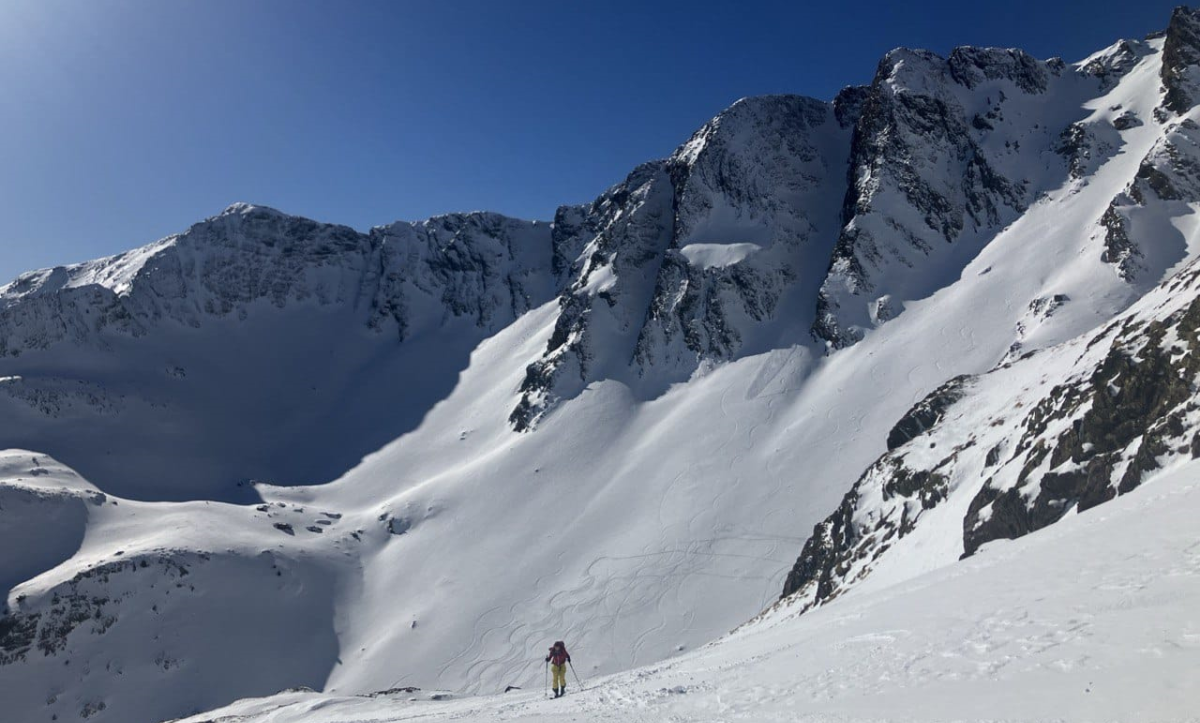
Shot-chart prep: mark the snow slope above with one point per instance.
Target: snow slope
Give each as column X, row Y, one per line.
column 132, row 610
column 1015, row 450
column 615, row 429
column 1093, row 619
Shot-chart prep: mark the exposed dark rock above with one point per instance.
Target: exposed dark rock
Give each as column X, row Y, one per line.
column 573, row 227
column 71, row 607
column 1137, row 391
column 897, row 122
column 926, row 413
column 1119, row 249
column 1125, row 121
column 252, row 254
column 928, row 487
column 825, row 548
column 1158, row 182
column 1092, row 437
column 970, row 66
column 1180, row 58
column 1009, row 517
column 848, row 104
column 1075, row 144
column 660, row 309
column 1110, row 68
column 841, row 549
column 17, row 635
column 627, row 224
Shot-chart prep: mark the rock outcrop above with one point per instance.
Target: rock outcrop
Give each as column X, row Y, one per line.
column 1092, row 418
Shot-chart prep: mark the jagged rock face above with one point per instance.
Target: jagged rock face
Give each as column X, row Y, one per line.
column 1181, row 55
column 622, row 236
column 848, row 105
column 574, row 227
column 1135, row 409
column 1167, row 181
column 1119, row 249
column 217, row 268
column 1086, row 146
column 200, row 342
column 927, row 413
column 1090, row 420
column 749, row 227
column 1110, row 65
column 972, row 67
column 921, row 178
column 481, row 265
column 691, row 255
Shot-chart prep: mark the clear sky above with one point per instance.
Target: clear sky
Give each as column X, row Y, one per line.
column 122, row 121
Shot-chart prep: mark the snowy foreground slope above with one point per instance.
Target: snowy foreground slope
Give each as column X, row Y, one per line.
column 950, row 307
column 1092, row 620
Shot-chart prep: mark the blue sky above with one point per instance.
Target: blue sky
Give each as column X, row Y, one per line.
column 122, row 121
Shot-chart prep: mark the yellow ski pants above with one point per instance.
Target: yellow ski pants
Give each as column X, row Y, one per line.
column 560, row 675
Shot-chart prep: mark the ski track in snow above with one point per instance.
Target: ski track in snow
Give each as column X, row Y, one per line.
column 1090, row 620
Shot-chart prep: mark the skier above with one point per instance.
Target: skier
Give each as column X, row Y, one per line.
column 558, row 659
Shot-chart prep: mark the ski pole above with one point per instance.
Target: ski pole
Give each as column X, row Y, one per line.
column 575, row 674
column 547, row 688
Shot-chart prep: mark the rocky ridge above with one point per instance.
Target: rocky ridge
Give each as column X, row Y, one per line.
column 482, row 266
column 785, row 220
column 933, row 164
column 691, row 257
column 1092, row 419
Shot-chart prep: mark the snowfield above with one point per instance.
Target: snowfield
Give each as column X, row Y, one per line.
column 1094, row 619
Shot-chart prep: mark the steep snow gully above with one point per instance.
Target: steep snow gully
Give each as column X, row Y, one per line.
column 947, row 309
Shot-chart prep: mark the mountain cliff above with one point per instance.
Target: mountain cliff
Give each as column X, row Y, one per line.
column 977, row 460
column 324, row 342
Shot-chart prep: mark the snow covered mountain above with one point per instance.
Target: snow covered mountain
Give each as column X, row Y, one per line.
column 708, row 255
column 255, row 345
column 273, row 453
